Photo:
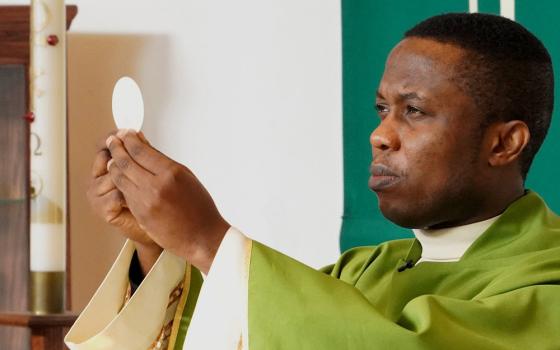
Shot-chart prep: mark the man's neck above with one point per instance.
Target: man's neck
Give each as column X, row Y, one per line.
column 492, row 205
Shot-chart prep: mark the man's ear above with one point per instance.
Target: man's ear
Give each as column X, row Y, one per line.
column 508, row 140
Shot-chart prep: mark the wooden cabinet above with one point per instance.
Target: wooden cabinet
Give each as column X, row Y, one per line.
column 14, row 177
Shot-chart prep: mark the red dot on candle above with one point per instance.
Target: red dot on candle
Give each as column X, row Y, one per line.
column 52, row 40
column 30, row 117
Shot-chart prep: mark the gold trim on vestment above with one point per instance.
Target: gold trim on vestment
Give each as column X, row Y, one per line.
column 180, row 308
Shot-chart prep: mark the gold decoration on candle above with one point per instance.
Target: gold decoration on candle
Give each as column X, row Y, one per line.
column 47, row 292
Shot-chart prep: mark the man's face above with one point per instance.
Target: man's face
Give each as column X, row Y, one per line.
column 427, row 167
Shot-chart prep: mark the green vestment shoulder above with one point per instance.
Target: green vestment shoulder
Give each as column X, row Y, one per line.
column 504, row 293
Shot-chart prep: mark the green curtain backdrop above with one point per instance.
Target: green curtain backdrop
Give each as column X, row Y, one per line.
column 370, row 28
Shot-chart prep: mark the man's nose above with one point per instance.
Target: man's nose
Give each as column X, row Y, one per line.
column 385, row 137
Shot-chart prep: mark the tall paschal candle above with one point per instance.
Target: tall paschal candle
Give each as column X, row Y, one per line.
column 48, row 156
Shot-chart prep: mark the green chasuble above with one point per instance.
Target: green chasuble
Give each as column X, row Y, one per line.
column 504, row 293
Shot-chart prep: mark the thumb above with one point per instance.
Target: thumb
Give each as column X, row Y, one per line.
column 143, row 138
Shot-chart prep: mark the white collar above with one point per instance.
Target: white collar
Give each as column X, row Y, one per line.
column 449, row 244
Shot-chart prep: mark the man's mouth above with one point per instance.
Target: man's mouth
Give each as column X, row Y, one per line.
column 382, row 177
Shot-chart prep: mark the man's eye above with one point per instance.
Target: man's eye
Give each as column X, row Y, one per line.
column 381, row 108
column 413, row 110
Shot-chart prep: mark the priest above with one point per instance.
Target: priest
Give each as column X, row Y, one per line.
column 464, row 104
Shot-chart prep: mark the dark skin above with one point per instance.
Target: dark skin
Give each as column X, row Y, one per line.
column 155, row 201
column 432, row 165
column 108, row 203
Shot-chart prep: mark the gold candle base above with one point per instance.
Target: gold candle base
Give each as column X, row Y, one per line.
column 47, row 292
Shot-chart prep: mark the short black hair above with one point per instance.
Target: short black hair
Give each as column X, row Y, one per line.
column 507, row 70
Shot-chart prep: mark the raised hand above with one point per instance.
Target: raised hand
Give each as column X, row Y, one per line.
column 166, row 199
column 109, row 204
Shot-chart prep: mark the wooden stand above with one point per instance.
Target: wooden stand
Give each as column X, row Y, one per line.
column 47, row 332
column 39, row 332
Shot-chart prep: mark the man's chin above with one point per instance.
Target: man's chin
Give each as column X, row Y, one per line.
column 401, row 215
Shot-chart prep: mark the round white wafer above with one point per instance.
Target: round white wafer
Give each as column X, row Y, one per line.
column 128, row 105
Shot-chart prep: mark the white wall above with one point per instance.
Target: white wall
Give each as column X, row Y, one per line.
column 246, row 93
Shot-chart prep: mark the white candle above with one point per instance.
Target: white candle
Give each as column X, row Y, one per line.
column 47, row 248
column 48, row 147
